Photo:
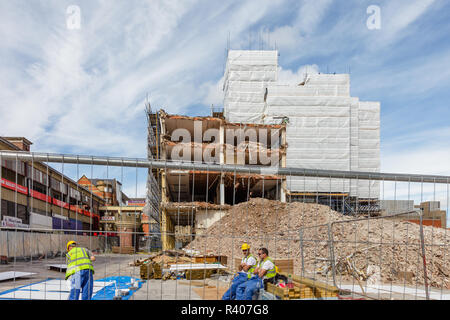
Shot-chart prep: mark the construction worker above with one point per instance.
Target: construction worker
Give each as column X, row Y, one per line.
column 80, row 271
column 264, row 272
column 246, row 268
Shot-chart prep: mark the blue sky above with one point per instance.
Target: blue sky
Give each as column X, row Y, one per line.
column 83, row 91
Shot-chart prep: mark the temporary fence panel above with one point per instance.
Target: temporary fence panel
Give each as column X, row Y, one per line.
column 386, row 246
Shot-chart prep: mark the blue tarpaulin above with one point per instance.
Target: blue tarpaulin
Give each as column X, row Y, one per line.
column 122, row 282
column 59, row 291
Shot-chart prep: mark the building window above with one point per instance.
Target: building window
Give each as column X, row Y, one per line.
column 12, row 209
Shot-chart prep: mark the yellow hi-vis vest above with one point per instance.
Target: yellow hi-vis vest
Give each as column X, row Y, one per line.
column 271, row 272
column 77, row 260
column 252, row 268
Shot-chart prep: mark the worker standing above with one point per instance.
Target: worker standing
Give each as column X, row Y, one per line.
column 264, row 272
column 80, row 271
column 246, row 268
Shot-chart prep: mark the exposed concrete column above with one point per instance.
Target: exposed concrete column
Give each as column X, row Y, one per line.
column 167, row 227
column 165, row 223
column 164, row 218
column 222, row 190
column 222, row 161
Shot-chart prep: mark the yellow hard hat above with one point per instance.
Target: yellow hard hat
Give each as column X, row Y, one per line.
column 245, row 247
column 70, row 243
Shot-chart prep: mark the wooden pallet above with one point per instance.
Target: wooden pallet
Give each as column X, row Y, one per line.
column 283, row 293
column 199, row 274
column 322, row 288
column 211, row 259
column 150, row 270
column 304, row 288
column 298, row 292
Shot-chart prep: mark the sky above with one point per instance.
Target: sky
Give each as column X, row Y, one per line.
column 75, row 75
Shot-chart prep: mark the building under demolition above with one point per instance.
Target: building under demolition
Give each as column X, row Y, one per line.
column 311, row 124
column 327, row 128
column 191, row 200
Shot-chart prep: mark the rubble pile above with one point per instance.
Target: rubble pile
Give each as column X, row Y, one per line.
column 388, row 245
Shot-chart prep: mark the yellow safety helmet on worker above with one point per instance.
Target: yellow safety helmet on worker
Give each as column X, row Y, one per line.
column 71, row 242
column 245, row 247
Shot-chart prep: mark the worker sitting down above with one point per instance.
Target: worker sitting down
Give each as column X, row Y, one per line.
column 263, row 273
column 246, row 268
column 80, row 271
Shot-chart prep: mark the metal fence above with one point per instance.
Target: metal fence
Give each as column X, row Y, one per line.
column 390, row 244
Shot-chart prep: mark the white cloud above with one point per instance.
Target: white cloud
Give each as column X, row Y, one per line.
column 292, row 36
column 214, row 95
column 425, row 158
column 399, row 15
column 84, row 89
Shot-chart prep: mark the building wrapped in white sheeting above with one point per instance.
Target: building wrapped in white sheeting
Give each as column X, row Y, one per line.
column 327, row 128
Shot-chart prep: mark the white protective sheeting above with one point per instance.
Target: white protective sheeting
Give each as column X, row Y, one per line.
column 328, row 129
column 247, row 74
column 309, row 120
column 369, row 147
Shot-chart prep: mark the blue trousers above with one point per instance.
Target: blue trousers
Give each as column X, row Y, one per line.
column 237, row 281
column 246, row 290
column 83, row 282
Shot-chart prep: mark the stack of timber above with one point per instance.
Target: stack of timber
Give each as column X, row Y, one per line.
column 199, row 274
column 150, row 270
column 211, row 259
column 304, row 288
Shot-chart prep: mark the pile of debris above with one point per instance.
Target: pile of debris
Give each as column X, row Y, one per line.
column 165, row 258
column 389, row 246
column 152, row 267
column 158, row 266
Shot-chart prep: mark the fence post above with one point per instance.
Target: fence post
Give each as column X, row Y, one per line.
column 331, row 247
column 422, row 242
column 301, row 252
column 7, row 243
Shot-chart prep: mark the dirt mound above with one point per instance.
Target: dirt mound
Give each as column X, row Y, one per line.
column 296, row 230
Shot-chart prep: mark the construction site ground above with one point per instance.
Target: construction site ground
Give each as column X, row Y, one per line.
column 110, row 265
column 106, row 265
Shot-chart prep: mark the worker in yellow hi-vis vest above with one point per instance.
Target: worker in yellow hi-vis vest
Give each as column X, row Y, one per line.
column 264, row 272
column 246, row 268
column 80, row 271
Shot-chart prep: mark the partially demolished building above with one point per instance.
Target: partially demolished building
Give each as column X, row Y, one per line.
column 327, row 128
column 191, row 200
column 324, row 127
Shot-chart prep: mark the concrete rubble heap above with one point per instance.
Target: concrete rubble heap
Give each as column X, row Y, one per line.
column 389, row 244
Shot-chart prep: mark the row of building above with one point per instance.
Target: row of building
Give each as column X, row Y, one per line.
column 35, row 196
